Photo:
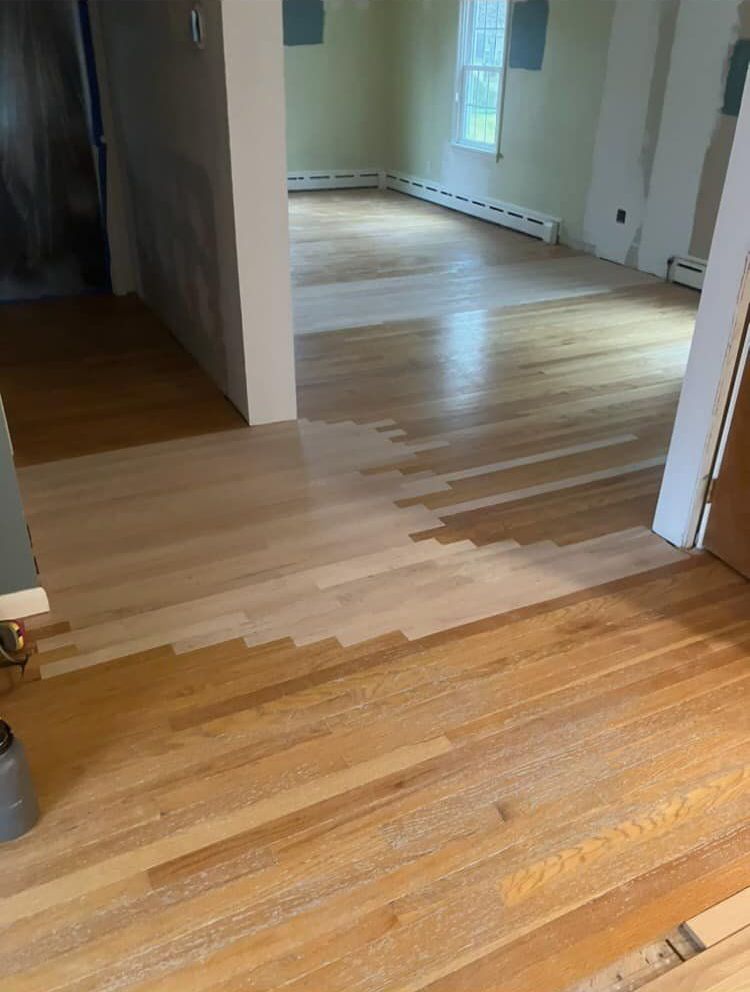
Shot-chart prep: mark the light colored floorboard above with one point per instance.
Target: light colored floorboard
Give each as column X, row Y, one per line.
column 722, row 920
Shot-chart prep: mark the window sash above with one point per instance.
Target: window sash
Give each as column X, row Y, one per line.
column 479, row 84
column 479, row 109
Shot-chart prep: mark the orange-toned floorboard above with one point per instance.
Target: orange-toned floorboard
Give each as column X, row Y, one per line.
column 509, row 805
column 85, row 375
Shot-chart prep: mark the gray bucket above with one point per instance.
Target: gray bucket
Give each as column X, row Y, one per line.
column 19, row 810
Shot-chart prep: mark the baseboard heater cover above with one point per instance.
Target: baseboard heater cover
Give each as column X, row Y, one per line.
column 334, row 179
column 687, row 271
column 538, row 225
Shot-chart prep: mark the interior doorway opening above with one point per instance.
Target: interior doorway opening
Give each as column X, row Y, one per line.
column 558, row 314
column 53, row 170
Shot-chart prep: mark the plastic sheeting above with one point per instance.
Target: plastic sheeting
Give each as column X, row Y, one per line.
column 52, row 240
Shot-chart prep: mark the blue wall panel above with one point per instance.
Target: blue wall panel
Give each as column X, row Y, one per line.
column 303, row 22
column 528, row 34
column 736, row 77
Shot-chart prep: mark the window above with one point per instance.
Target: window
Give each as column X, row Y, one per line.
column 480, row 72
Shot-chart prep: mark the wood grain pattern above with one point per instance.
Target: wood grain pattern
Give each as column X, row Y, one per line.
column 290, row 745
column 424, row 814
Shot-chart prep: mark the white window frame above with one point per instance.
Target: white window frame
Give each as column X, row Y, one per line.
column 463, row 67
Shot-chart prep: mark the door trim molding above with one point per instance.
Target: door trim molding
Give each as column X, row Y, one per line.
column 713, row 354
column 681, row 510
column 726, row 424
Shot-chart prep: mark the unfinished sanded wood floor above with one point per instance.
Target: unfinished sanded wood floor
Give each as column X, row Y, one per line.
column 404, row 696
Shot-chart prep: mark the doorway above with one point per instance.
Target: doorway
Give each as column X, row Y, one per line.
column 600, row 350
column 727, row 513
column 50, row 193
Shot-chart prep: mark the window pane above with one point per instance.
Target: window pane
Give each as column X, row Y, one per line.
column 493, row 86
column 477, row 48
column 486, row 28
column 480, row 126
column 471, row 87
column 481, row 88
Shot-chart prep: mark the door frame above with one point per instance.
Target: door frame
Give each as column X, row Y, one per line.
column 90, row 83
column 714, row 354
column 743, row 350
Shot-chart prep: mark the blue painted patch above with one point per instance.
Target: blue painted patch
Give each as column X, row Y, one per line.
column 736, row 76
column 528, row 35
column 303, row 22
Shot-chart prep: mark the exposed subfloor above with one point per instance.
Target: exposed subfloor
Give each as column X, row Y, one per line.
column 406, row 695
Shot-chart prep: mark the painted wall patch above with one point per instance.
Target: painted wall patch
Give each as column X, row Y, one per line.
column 736, row 75
column 303, row 22
column 528, row 35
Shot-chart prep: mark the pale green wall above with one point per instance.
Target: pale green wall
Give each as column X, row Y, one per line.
column 379, row 92
column 550, row 119
column 335, row 92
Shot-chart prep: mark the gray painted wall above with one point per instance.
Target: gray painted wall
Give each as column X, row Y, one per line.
column 198, row 135
column 168, row 102
column 17, row 569
column 664, row 136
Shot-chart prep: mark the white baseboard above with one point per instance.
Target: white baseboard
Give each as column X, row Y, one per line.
column 25, row 603
column 687, row 271
column 334, row 179
column 531, row 222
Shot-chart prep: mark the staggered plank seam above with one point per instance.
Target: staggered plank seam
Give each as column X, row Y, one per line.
column 353, row 594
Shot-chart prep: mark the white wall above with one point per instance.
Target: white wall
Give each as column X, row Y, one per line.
column 660, row 112
column 253, row 50
column 169, row 107
column 712, row 355
column 617, row 176
column 694, row 95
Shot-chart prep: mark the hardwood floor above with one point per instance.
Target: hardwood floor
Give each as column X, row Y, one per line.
column 638, row 970
column 271, row 533
column 567, row 406
column 405, row 696
column 505, row 806
column 721, row 921
column 398, row 258
column 89, row 374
